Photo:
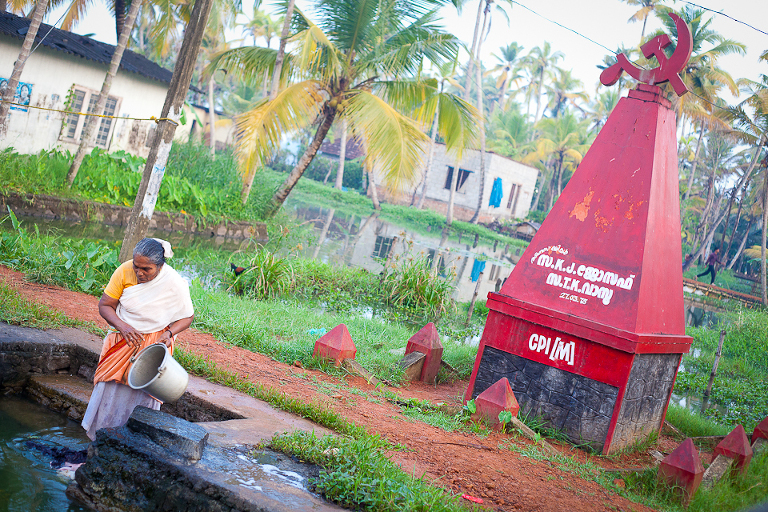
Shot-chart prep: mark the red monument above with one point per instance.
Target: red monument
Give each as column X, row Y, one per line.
column 589, row 327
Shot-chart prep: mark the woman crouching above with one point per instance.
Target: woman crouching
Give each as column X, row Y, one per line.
column 145, row 302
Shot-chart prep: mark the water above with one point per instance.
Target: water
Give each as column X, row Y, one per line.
column 27, row 481
column 366, row 242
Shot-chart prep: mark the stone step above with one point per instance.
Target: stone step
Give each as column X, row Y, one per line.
column 62, row 393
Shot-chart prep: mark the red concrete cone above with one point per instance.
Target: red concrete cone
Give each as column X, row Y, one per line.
column 735, row 446
column 499, row 397
column 337, row 344
column 428, row 343
column 761, row 430
column 682, row 468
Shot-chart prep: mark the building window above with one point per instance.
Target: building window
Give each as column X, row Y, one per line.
column 462, row 178
column 74, row 124
column 381, row 247
column 513, row 195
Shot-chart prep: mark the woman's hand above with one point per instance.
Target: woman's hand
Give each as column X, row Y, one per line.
column 133, row 337
column 166, row 338
column 108, row 311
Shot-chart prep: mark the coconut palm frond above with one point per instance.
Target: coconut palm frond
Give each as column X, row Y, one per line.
column 260, row 130
column 408, row 95
column 458, row 123
column 394, row 142
column 248, row 63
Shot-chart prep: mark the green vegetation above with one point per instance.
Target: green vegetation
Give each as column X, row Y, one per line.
column 741, row 385
column 733, row 493
column 16, row 310
column 691, row 424
column 287, row 330
column 357, row 473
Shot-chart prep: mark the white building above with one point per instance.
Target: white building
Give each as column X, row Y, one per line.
column 517, row 181
column 65, row 72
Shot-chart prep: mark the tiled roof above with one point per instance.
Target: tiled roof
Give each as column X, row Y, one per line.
column 354, row 148
column 81, row 46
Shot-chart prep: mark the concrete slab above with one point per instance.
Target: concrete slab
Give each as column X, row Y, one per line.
column 70, row 394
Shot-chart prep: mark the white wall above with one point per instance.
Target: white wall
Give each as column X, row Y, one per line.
column 510, row 172
column 52, row 73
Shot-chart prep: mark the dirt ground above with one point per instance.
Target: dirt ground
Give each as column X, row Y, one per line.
column 461, row 462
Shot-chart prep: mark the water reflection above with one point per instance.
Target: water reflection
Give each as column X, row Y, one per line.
column 369, row 242
column 27, row 480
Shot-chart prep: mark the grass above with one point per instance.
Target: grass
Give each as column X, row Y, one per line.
column 732, row 493
column 284, row 330
column 16, row 310
column 357, row 474
column 741, row 386
column 691, row 424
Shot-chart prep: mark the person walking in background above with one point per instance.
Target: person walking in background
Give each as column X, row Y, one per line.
column 712, row 262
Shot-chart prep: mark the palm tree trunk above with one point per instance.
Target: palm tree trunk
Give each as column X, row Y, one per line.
column 323, row 233
column 374, row 192
column 741, row 245
column 709, row 234
column 538, row 97
column 762, row 240
column 211, row 118
column 88, row 138
column 452, row 194
column 430, row 156
column 541, row 179
column 18, row 66
column 120, row 17
column 281, row 52
column 735, row 228
column 342, row 155
column 470, row 63
column 278, row 199
column 481, row 120
column 693, row 166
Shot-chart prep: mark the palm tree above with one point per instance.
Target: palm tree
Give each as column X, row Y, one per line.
column 601, row 107
column 562, row 145
column 450, row 117
column 540, row 61
column 18, row 66
column 261, row 24
column 88, row 138
column 357, row 49
column 564, row 89
column 280, row 57
column 646, row 8
column 751, row 120
column 508, row 66
column 510, row 134
column 222, row 18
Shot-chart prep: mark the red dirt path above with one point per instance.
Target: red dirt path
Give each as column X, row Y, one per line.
column 461, row 462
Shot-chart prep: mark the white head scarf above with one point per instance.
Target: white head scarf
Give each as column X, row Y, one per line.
column 167, row 251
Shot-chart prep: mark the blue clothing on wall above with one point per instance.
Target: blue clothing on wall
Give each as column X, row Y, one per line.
column 496, row 194
column 477, row 267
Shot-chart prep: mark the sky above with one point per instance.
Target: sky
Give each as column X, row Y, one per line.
column 604, row 21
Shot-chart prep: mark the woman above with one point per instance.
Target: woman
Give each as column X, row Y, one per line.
column 146, row 302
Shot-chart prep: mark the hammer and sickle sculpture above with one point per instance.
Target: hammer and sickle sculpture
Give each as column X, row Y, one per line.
column 668, row 68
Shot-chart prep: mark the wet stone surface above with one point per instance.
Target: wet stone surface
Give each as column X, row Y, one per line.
column 128, row 471
column 182, row 437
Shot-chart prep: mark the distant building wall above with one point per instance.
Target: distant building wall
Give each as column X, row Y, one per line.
column 518, row 182
column 51, row 75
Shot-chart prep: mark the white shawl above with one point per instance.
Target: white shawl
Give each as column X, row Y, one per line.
column 151, row 306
